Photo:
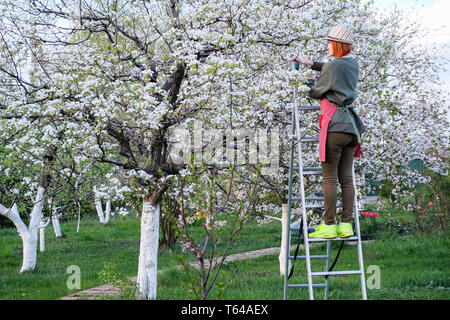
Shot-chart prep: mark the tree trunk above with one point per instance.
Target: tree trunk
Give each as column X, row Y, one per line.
column 98, row 206
column 29, row 241
column 284, row 230
column 57, row 227
column 42, row 236
column 29, row 238
column 108, row 211
column 148, row 252
column 102, row 216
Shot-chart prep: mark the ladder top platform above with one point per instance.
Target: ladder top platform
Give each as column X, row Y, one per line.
column 308, row 108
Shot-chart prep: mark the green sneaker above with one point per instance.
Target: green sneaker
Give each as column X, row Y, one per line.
column 344, row 230
column 324, row 231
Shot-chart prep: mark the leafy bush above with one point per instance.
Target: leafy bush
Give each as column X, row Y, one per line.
column 109, row 274
column 427, row 202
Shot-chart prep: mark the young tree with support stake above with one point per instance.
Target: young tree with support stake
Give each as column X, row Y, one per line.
column 222, row 202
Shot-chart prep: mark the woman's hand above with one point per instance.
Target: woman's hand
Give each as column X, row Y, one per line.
column 304, row 61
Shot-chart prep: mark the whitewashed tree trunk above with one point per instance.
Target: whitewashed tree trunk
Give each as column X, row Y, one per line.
column 42, row 236
column 360, row 181
column 108, row 211
column 57, row 227
column 284, row 230
column 42, row 225
column 104, row 216
column 148, row 252
column 30, row 239
column 29, row 235
column 98, row 206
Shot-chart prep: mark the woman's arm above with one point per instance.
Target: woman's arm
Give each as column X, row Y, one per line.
column 317, row 66
column 323, row 84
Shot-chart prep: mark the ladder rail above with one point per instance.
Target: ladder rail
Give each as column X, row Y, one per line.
column 296, row 138
column 302, row 195
column 308, row 257
column 288, row 233
column 327, row 266
column 359, row 244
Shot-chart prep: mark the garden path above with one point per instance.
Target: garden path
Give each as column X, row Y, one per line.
column 109, row 290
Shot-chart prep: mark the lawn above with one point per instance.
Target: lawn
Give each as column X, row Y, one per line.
column 94, row 245
column 412, row 266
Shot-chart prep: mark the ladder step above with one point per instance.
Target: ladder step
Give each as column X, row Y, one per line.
column 313, row 198
column 309, row 139
column 296, row 226
column 308, row 198
column 335, row 273
column 310, row 256
column 309, row 170
column 338, row 204
column 301, row 285
column 308, row 108
column 312, row 206
column 354, row 238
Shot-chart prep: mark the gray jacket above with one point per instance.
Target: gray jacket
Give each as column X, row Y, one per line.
column 337, row 83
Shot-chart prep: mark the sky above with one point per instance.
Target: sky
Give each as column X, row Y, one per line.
column 434, row 15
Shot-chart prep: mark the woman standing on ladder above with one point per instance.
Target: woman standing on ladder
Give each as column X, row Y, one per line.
column 340, row 130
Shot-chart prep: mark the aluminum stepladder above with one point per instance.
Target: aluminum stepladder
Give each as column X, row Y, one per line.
column 291, row 227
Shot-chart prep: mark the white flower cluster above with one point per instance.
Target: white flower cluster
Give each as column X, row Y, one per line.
column 113, row 93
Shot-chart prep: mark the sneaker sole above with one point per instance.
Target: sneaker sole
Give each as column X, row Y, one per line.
column 345, row 235
column 324, row 237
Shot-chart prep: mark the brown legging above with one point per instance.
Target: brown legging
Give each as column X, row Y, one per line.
column 340, row 151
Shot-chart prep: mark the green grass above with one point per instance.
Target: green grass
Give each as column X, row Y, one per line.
column 117, row 242
column 412, row 266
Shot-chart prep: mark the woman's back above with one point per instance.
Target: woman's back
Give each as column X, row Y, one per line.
column 337, row 82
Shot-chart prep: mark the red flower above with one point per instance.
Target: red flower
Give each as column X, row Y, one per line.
column 430, row 204
column 370, row 214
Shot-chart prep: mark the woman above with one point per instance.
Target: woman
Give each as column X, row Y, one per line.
column 340, row 129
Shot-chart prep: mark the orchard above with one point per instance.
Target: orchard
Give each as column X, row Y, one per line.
column 156, row 106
